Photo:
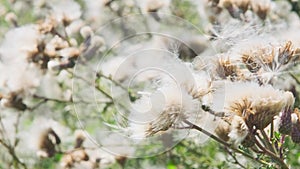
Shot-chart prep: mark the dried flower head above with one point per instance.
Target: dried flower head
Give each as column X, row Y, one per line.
column 47, row 25
column 47, row 141
column 243, row 5
column 73, row 157
column 232, row 129
column 231, row 8
column 80, row 137
column 238, row 130
column 226, row 69
column 223, row 129
column 269, row 61
column 13, row 100
column 167, row 108
column 175, row 111
column 250, row 63
column 63, row 14
column 261, row 8
column 257, row 108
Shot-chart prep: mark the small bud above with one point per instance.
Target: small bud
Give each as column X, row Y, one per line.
column 155, row 5
column 86, row 32
column 250, row 63
column 47, row 142
column 12, row 18
column 73, row 42
column 231, row 8
column 66, row 21
column 67, row 161
column 223, row 130
column 121, row 160
column 296, row 116
column 290, row 100
column 243, row 5
column 80, row 137
column 98, row 41
column 79, row 155
column 53, row 65
column 261, row 8
column 14, row 101
column 70, row 52
column 295, row 134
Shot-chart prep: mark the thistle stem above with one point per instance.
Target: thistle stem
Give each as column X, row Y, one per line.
column 281, row 146
column 272, row 130
column 278, row 160
column 267, row 141
column 193, row 126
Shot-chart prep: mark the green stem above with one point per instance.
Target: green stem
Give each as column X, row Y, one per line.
column 267, row 141
column 272, row 155
column 193, row 126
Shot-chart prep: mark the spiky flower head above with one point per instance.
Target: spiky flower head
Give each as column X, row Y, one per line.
column 256, row 104
column 167, row 108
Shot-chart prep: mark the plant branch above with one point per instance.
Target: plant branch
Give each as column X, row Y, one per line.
column 12, row 152
column 278, row 160
column 295, row 78
column 193, row 126
column 267, row 141
column 92, row 84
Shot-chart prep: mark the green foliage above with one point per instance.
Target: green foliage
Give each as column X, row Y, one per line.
column 49, row 163
column 185, row 9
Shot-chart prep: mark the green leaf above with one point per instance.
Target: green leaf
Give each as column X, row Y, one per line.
column 58, row 157
column 171, row 166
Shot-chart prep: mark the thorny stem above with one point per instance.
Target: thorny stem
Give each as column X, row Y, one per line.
column 111, row 99
column 17, row 128
column 116, row 83
column 12, row 152
column 6, row 143
column 216, row 114
column 295, row 78
column 272, row 130
column 92, row 84
column 256, row 150
column 37, row 105
column 261, row 140
column 112, row 80
column 193, row 126
column 267, row 139
column 3, row 130
column 51, row 99
column 45, row 99
column 281, row 146
column 278, row 160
